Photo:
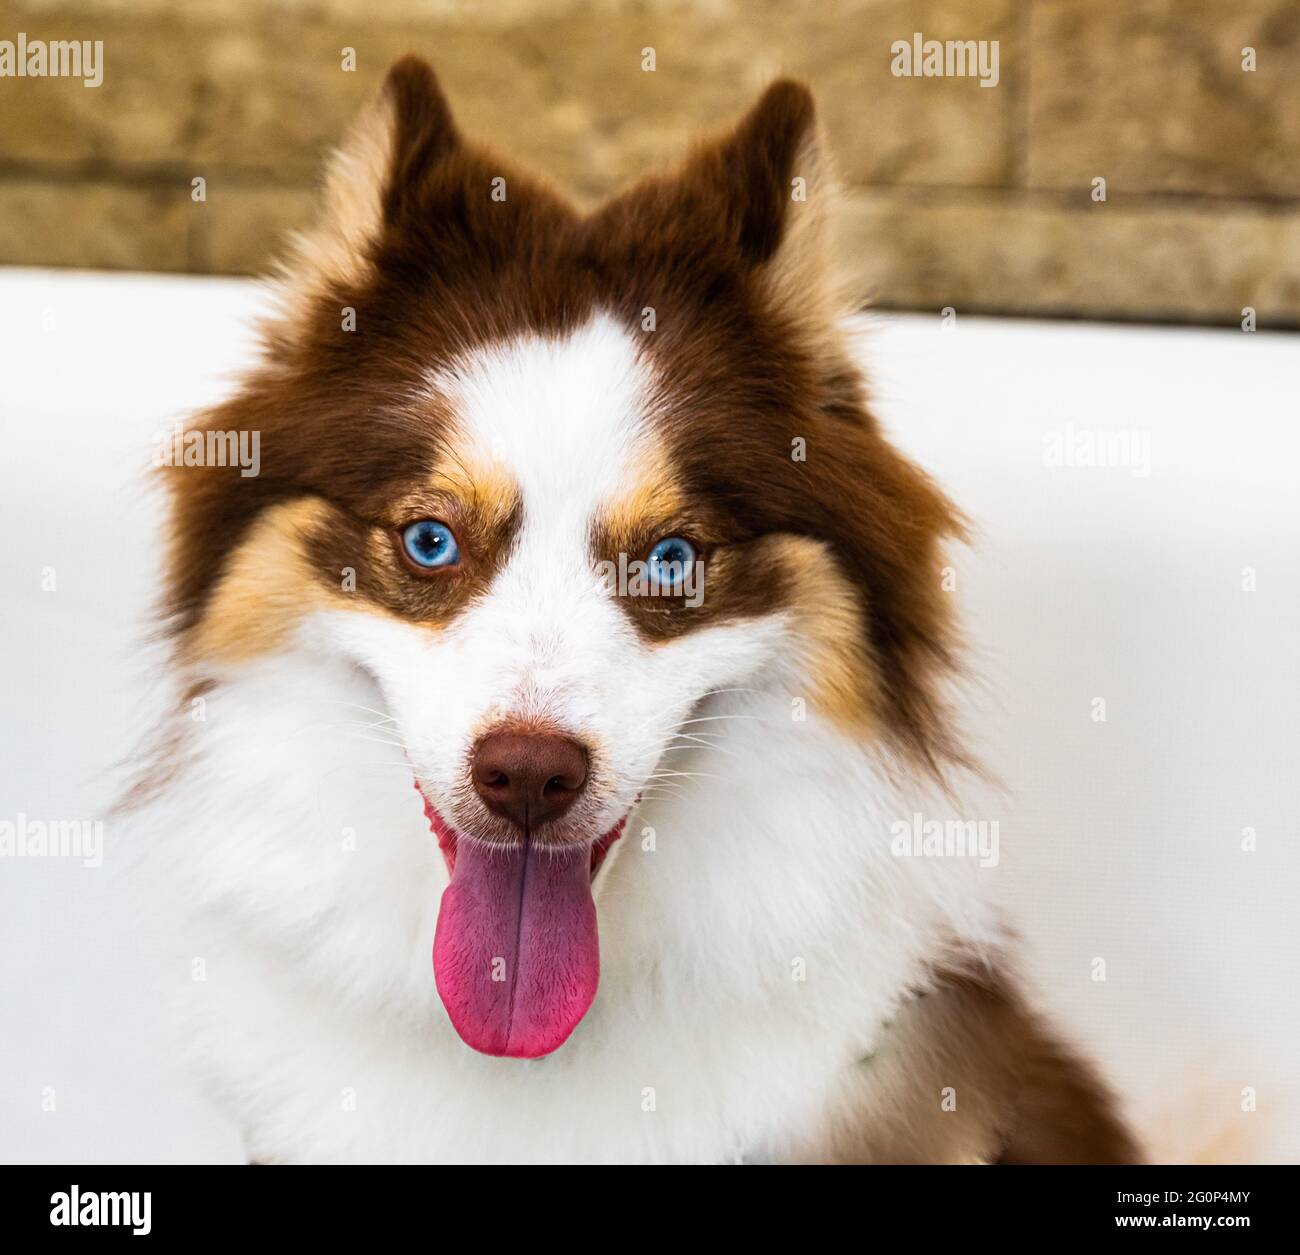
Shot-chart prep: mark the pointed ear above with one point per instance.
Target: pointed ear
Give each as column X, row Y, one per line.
column 406, row 131
column 423, row 132
column 777, row 190
column 758, row 166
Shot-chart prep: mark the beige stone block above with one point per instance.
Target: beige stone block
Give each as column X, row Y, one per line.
column 242, row 229
column 997, row 252
column 185, row 96
column 138, row 116
column 1151, row 95
column 97, row 225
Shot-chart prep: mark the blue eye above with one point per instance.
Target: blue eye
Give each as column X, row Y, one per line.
column 429, row 543
column 670, row 559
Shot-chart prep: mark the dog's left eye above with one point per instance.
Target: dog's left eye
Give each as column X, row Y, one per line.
column 670, row 557
column 429, row 543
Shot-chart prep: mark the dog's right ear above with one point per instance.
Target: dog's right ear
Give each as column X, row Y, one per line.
column 388, row 154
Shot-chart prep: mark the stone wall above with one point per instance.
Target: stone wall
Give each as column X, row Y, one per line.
column 980, row 198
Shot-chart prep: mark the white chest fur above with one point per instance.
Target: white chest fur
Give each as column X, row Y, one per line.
column 755, row 932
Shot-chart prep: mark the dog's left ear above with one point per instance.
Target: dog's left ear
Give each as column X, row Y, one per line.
column 771, row 188
column 755, row 201
column 768, row 170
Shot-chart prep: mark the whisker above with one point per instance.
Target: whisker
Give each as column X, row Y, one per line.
column 691, row 775
column 356, row 735
column 370, row 710
column 701, row 744
column 715, row 718
column 374, row 740
column 353, row 725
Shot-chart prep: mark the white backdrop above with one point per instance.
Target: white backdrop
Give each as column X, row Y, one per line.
column 1119, row 840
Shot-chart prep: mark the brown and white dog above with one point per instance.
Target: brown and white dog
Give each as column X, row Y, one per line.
column 580, row 523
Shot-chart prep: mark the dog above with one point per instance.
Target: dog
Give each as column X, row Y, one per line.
column 581, row 629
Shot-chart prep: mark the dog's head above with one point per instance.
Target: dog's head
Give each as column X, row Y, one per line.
column 553, row 479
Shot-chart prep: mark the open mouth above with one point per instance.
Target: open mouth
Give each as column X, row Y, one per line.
column 515, row 954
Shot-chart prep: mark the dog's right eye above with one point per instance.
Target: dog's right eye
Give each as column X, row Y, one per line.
column 670, row 557
column 430, row 544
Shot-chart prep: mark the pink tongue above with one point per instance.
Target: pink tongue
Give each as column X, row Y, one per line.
column 515, row 954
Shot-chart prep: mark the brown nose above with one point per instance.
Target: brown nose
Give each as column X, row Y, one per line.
column 528, row 777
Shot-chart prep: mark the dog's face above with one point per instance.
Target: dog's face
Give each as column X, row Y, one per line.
column 561, row 615
column 552, row 480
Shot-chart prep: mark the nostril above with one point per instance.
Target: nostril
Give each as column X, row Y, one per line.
column 528, row 778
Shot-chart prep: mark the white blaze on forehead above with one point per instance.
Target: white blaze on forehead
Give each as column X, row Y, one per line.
column 565, row 418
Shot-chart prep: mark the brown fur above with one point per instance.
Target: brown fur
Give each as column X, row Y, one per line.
column 747, row 361
column 1016, row 1094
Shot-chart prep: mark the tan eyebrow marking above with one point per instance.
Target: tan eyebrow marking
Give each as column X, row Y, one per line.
column 481, row 484
column 656, row 497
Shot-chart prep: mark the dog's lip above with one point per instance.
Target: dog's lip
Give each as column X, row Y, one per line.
column 447, row 835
